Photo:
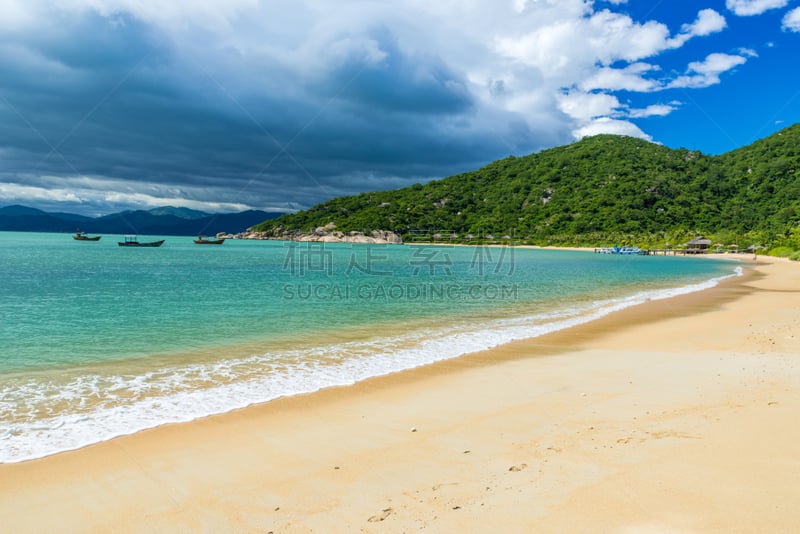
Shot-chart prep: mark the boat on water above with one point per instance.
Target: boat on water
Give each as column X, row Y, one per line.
column 622, row 250
column 132, row 241
column 81, row 236
column 203, row 241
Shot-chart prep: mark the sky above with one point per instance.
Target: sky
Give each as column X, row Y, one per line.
column 107, row 105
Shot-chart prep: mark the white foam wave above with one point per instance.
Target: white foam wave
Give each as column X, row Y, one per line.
column 104, row 407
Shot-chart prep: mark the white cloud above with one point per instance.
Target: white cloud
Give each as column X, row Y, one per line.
column 629, row 78
column 606, row 125
column 791, row 22
column 85, row 191
column 584, row 54
column 655, row 110
column 588, row 106
column 519, row 5
column 708, row 22
column 569, row 48
column 18, row 15
column 175, row 14
column 706, row 73
column 747, row 8
column 618, row 37
column 12, row 192
column 594, row 108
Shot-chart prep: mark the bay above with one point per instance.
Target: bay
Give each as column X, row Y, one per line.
column 98, row 340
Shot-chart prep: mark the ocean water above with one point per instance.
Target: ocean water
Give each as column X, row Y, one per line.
column 98, row 341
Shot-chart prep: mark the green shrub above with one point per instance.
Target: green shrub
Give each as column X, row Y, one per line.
column 781, row 252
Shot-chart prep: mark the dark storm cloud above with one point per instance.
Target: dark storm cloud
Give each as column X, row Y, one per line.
column 106, row 97
column 402, row 82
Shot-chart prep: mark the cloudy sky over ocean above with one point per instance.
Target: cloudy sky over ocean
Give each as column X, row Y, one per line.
column 223, row 106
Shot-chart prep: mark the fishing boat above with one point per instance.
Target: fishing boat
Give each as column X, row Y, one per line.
column 132, row 241
column 626, row 251
column 203, row 241
column 81, row 236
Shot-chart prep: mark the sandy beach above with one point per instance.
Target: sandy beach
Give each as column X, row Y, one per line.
column 678, row 415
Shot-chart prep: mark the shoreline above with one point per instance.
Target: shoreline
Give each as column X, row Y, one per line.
column 546, row 433
column 403, row 351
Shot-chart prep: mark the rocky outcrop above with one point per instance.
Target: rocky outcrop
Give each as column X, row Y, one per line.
column 325, row 234
column 375, row 237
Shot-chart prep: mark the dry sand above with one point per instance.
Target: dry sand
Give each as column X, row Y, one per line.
column 680, row 415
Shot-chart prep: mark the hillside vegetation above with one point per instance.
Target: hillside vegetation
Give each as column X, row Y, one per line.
column 601, row 190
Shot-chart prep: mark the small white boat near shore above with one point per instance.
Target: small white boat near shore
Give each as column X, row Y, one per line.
column 630, row 251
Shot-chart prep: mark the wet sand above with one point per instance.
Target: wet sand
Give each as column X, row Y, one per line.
column 678, row 415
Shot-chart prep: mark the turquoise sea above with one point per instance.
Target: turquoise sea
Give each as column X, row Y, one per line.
column 98, row 340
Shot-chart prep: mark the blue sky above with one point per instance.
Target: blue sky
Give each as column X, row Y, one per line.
column 222, row 106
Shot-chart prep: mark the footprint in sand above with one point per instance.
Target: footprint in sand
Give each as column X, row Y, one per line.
column 518, row 467
column 377, row 518
column 672, row 434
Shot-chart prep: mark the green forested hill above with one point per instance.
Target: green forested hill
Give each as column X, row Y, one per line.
column 598, row 190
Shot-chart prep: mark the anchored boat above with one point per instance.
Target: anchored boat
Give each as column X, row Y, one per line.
column 81, row 236
column 203, row 241
column 132, row 241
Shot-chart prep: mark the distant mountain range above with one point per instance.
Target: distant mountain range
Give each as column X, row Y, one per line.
column 157, row 221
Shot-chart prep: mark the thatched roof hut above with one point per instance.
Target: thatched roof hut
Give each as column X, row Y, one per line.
column 698, row 245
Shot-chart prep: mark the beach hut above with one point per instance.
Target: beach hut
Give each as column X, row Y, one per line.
column 698, row 245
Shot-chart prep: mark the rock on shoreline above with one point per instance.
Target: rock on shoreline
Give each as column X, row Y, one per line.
column 324, row 234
